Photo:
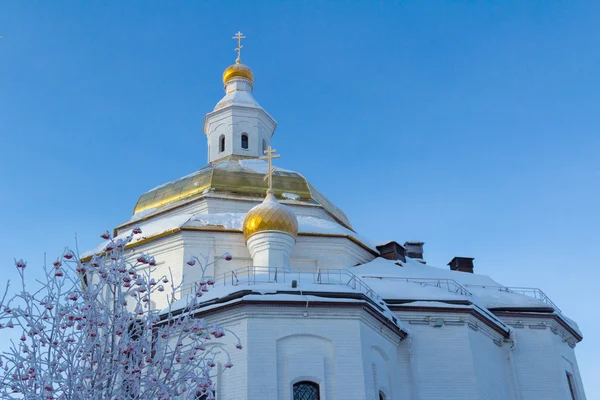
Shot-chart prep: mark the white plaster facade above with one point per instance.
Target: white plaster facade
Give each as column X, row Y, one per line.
column 235, row 115
column 444, row 344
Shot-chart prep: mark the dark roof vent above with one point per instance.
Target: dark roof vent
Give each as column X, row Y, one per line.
column 462, row 264
column 392, row 251
column 414, row 250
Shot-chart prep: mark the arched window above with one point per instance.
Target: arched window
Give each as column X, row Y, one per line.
column 264, row 146
column 244, row 141
column 222, row 144
column 381, row 395
column 306, row 390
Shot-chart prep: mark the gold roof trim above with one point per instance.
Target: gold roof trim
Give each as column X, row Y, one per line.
column 228, row 176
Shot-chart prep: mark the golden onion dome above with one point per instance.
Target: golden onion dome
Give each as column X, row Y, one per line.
column 237, row 70
column 270, row 215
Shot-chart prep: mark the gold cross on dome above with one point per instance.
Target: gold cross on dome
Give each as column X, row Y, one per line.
column 239, row 36
column 270, row 155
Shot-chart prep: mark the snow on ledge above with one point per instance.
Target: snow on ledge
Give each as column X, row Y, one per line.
column 232, row 221
column 290, row 196
column 270, row 291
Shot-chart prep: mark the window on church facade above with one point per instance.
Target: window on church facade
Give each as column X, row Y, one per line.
column 306, row 390
column 222, row 144
column 244, row 141
column 381, row 395
column 264, row 146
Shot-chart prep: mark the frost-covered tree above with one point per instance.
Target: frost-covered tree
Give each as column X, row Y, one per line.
column 89, row 332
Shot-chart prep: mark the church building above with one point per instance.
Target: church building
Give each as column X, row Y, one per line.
column 324, row 313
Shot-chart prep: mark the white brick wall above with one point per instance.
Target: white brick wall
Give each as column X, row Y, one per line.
column 541, row 358
column 490, row 364
column 331, row 346
column 352, row 355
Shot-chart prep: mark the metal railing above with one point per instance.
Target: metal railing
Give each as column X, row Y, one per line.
column 250, row 276
column 525, row 291
column 449, row 284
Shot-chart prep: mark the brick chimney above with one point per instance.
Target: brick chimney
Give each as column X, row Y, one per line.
column 392, row 251
column 462, row 264
column 414, row 250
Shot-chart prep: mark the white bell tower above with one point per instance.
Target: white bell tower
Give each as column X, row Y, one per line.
column 238, row 125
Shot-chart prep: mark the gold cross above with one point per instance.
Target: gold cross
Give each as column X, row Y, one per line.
column 270, row 155
column 239, row 36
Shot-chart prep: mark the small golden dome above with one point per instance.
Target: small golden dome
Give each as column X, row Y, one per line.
column 270, row 215
column 237, row 70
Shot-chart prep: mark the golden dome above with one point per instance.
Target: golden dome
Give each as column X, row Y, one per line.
column 237, row 70
column 237, row 176
column 270, row 215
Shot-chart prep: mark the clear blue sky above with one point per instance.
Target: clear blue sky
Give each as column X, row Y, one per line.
column 472, row 126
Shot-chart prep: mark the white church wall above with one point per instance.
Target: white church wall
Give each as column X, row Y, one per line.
column 491, row 365
column 231, row 384
column 386, row 367
column 542, row 359
column 231, row 123
column 572, row 367
column 310, row 252
column 217, row 243
column 330, row 252
column 337, row 347
column 322, row 344
column 442, row 360
column 293, row 357
column 168, row 253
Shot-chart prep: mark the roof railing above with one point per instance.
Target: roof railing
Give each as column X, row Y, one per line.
column 535, row 293
column 449, row 284
column 250, row 276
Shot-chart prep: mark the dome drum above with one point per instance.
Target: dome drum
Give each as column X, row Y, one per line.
column 270, row 249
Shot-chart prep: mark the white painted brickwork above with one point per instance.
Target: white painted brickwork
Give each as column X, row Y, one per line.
column 541, row 360
column 353, row 357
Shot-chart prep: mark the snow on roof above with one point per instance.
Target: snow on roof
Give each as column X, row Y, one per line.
column 149, row 229
column 238, row 98
column 264, row 288
column 381, row 267
column 232, row 221
column 260, row 166
column 436, row 304
column 402, row 290
column 384, row 242
column 395, row 280
column 306, row 224
column 226, row 220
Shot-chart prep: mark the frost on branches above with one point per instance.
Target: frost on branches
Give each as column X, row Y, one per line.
column 89, row 332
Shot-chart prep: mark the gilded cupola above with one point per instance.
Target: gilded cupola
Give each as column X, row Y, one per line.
column 237, row 70
column 270, row 228
column 270, row 216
